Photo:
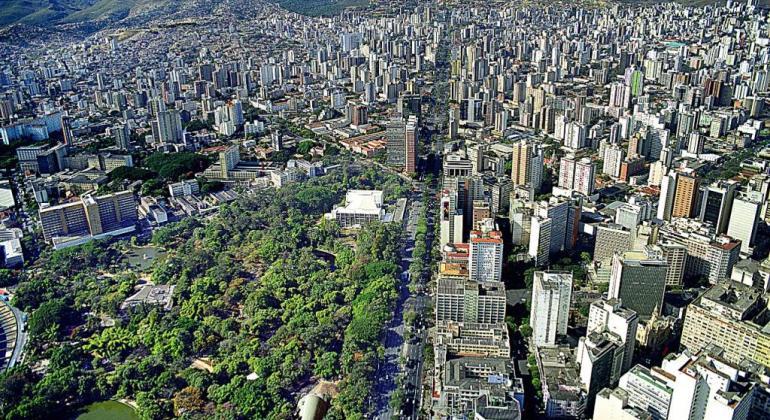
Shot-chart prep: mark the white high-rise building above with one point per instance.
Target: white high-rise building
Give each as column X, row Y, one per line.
column 744, row 220
column 667, row 193
column 609, row 315
column 613, row 158
column 551, row 294
column 485, row 259
column 540, row 239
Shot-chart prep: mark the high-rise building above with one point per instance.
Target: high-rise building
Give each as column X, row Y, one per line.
column 551, row 295
column 461, row 300
column 685, row 196
column 577, row 175
column 169, row 125
column 611, row 238
column 730, row 315
column 540, row 239
column 708, row 255
column 411, row 140
column 66, row 130
column 667, row 193
column 485, row 260
column 89, row 217
column 600, row 356
column 613, row 158
column 609, row 315
column 122, row 135
column 395, row 132
column 717, row 203
column 527, row 164
column 450, row 218
column 638, row 279
column 676, row 258
column 690, row 386
column 744, row 220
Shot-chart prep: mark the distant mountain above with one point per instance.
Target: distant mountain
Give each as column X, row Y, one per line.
column 320, row 7
column 46, row 12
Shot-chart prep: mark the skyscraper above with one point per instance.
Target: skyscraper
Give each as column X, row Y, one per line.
column 611, row 238
column 395, row 132
column 122, row 136
column 717, row 203
column 639, row 281
column 577, row 175
column 551, row 294
column 485, row 261
column 411, row 139
column 169, row 126
column 744, row 220
column 685, row 196
column 527, row 164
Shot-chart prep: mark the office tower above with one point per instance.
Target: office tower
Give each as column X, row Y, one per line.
column 169, row 126
column 729, row 315
column 450, row 219
column 611, row 238
column 485, row 260
column 411, row 139
column 609, row 315
column 685, row 196
column 66, row 130
column 90, row 216
column 395, row 132
column 540, row 239
column 744, row 220
column 639, row 281
column 558, row 211
column 122, row 135
column 717, row 204
column 551, row 295
column 462, row 300
column 667, row 193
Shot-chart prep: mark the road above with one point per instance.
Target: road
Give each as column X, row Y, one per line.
column 393, row 342
column 403, row 344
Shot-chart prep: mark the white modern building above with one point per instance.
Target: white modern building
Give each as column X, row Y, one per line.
column 361, row 207
column 485, row 260
column 551, row 294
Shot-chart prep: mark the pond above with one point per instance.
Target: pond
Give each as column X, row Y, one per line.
column 108, row 410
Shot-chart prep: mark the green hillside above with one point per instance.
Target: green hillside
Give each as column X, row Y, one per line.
column 43, row 12
column 320, row 7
